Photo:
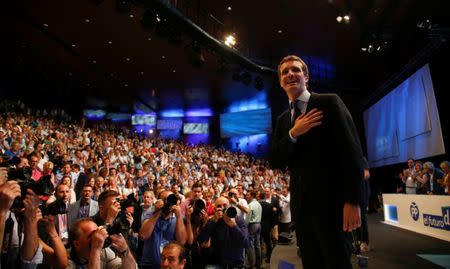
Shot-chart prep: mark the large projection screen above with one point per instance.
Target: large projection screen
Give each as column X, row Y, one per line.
column 405, row 123
column 246, row 123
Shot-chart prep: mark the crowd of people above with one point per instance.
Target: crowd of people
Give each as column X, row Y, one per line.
column 78, row 197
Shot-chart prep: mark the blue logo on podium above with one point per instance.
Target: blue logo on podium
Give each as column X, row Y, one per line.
column 414, row 211
column 439, row 222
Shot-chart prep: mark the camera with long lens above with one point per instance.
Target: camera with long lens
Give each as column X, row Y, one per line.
column 231, row 212
column 121, row 223
column 170, row 201
column 43, row 186
column 198, row 206
column 56, row 208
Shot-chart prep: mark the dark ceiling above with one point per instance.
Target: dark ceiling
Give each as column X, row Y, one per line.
column 74, row 51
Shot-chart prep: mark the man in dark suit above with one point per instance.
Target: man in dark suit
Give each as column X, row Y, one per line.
column 317, row 141
column 267, row 222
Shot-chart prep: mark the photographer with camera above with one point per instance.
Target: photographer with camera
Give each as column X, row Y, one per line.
column 109, row 208
column 228, row 234
column 88, row 248
column 10, row 236
column 196, row 219
column 239, row 203
column 165, row 225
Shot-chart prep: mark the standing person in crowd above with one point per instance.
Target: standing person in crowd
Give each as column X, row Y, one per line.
column 237, row 202
column 83, row 208
column 228, row 235
column 363, row 231
column 430, row 179
column 285, row 218
column 62, row 193
column 165, row 225
column 445, row 181
column 320, row 182
column 196, row 219
column 254, row 230
column 48, row 171
column 36, row 174
column 142, row 213
column 408, row 177
column 27, row 252
column 267, row 222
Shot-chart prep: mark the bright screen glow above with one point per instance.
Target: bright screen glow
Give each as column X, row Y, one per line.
column 195, row 128
column 405, row 123
column 94, row 113
column 143, row 119
column 246, row 123
column 172, row 124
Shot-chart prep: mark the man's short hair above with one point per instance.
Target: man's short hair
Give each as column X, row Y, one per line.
column 197, row 185
column 176, row 245
column 76, row 166
column 293, row 58
column 106, row 194
column 75, row 232
column 87, row 185
column 59, row 185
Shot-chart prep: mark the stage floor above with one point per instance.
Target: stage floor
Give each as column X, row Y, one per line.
column 391, row 248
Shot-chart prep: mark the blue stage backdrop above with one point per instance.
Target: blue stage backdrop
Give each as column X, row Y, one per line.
column 246, row 123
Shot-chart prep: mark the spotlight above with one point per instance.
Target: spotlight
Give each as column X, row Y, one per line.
column 339, row 19
column 230, row 41
column 347, row 19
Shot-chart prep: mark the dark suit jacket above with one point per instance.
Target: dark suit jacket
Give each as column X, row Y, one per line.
column 267, row 219
column 326, row 163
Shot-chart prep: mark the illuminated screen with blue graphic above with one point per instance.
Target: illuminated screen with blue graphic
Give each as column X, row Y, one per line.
column 405, row 123
column 169, row 124
column 118, row 116
column 246, row 123
column 143, row 119
column 195, row 128
column 94, row 113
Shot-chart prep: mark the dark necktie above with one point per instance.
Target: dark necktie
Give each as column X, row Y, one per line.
column 296, row 107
